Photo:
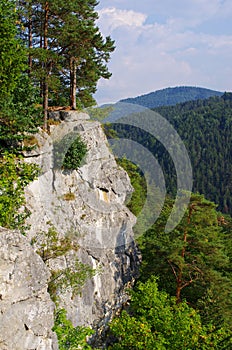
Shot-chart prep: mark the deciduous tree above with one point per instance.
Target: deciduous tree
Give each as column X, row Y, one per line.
column 155, row 321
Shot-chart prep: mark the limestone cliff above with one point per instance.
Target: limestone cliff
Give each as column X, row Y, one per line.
column 26, row 310
column 86, row 205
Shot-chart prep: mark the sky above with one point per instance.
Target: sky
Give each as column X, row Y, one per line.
column 165, row 43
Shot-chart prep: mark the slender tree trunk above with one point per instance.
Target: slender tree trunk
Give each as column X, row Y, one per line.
column 45, row 83
column 73, row 83
column 42, row 63
column 179, row 276
column 29, row 44
column 45, row 104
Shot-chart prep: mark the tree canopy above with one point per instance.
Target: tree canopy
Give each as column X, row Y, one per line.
column 155, row 321
column 205, row 127
column 18, row 97
column 67, row 52
column 191, row 264
column 12, row 53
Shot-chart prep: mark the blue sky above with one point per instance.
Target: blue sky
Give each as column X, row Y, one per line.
column 162, row 43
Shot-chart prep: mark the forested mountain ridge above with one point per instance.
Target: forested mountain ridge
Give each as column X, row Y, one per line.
column 205, row 127
column 68, row 214
column 172, row 96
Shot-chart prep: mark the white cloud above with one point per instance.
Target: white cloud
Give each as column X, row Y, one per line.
column 191, row 12
column 157, row 55
column 112, row 18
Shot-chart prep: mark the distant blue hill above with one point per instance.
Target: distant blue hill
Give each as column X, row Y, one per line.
column 172, row 96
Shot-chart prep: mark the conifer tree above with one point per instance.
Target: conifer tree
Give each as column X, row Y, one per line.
column 18, row 114
column 12, row 54
column 67, row 50
column 192, row 259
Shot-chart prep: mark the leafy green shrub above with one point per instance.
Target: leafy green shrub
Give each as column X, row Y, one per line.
column 69, row 152
column 50, row 246
column 15, row 175
column 156, row 321
column 20, row 116
column 70, row 337
column 72, row 278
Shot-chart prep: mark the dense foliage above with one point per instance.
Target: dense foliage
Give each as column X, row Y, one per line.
column 69, row 152
column 18, row 98
column 193, row 264
column 205, row 127
column 15, row 175
column 172, row 96
column 20, row 116
column 12, row 53
column 193, row 260
column 70, row 337
column 155, row 321
column 67, row 52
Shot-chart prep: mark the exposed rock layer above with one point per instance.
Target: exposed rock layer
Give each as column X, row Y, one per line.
column 26, row 310
column 88, row 206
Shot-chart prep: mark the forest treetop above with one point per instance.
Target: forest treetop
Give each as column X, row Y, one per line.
column 66, row 52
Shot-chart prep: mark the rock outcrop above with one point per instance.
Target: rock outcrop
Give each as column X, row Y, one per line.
column 88, row 205
column 26, row 310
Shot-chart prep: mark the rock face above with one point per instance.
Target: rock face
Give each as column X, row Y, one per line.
column 26, row 310
column 88, row 205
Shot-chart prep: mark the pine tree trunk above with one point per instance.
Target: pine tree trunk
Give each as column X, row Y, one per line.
column 45, row 84
column 73, row 83
column 30, row 45
column 179, row 278
column 45, row 104
column 179, row 283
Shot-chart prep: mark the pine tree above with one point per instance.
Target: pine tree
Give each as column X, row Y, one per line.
column 81, row 48
column 67, row 50
column 192, row 259
column 18, row 114
column 12, row 53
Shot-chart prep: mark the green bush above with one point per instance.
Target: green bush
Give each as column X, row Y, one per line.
column 73, row 277
column 70, row 337
column 69, row 152
column 156, row 321
column 15, row 175
column 20, row 116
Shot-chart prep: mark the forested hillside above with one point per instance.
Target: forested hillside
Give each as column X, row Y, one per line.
column 205, row 127
column 185, row 279
column 52, row 53
column 172, row 96
column 183, row 297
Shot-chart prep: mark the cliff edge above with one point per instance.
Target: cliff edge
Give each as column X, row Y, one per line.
column 84, row 206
